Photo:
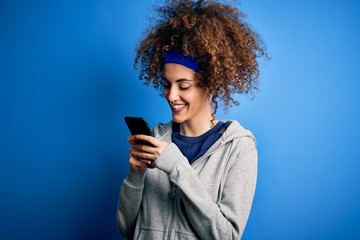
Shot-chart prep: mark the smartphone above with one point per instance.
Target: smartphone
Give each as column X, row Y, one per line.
column 138, row 125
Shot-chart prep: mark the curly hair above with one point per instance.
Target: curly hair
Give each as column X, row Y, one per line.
column 216, row 35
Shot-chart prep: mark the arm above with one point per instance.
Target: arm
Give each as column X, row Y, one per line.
column 130, row 199
column 131, row 195
column 227, row 219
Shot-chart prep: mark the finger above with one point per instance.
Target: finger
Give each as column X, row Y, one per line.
column 137, row 163
column 138, row 148
column 132, row 139
column 141, row 155
column 147, row 138
column 149, row 163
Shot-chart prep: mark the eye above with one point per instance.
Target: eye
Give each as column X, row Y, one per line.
column 184, row 87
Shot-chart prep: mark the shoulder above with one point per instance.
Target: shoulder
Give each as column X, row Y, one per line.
column 242, row 146
column 243, row 138
column 236, row 130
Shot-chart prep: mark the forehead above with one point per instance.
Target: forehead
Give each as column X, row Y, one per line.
column 174, row 71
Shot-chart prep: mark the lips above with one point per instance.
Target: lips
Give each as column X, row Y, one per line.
column 177, row 107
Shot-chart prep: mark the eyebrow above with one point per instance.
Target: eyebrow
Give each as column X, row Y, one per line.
column 179, row 80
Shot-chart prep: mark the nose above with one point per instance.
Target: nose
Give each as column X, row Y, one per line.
column 171, row 94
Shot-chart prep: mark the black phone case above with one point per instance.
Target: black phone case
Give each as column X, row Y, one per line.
column 138, row 125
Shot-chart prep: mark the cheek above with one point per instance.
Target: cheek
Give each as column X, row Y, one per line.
column 201, row 103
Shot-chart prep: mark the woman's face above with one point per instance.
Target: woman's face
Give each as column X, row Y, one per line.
column 188, row 102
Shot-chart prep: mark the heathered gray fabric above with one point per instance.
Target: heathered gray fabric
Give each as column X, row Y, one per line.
column 210, row 199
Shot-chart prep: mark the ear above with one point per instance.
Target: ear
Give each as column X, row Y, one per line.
column 210, row 98
column 209, row 95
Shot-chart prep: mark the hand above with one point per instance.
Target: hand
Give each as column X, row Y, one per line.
column 143, row 156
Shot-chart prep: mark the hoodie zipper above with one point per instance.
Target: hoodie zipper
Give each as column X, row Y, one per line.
column 173, row 192
column 174, row 189
column 173, row 200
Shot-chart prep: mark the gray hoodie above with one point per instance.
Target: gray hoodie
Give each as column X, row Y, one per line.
column 210, row 199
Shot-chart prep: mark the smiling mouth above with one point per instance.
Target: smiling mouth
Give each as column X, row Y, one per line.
column 177, row 107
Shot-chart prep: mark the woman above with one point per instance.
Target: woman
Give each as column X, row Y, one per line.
column 198, row 179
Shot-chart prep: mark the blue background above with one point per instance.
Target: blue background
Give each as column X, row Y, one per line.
column 67, row 81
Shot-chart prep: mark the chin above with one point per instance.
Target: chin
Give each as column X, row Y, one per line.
column 177, row 120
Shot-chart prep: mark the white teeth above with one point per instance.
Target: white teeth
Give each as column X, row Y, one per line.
column 178, row 106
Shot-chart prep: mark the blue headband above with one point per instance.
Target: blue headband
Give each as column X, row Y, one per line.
column 173, row 56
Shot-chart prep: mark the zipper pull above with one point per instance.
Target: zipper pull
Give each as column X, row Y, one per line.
column 173, row 192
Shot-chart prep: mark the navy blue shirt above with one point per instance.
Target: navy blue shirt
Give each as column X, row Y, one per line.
column 195, row 147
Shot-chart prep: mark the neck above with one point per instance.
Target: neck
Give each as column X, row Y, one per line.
column 197, row 128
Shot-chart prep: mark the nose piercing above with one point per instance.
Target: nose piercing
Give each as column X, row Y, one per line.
column 171, row 103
